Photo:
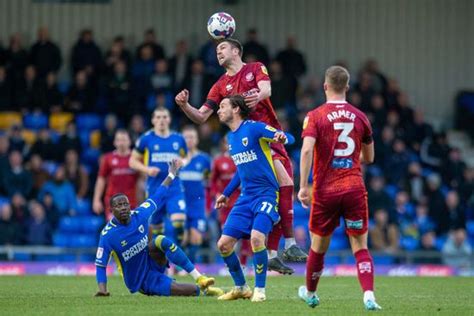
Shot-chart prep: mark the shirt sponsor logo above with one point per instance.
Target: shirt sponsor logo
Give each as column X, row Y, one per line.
column 244, row 157
column 342, row 163
column 135, row 249
column 354, row 224
column 163, row 157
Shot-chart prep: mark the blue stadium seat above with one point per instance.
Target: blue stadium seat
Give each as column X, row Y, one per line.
column 332, row 260
column 21, row 256
column 440, row 241
column 381, row 259
column 50, row 167
column 350, row 260
column 86, row 258
column 69, row 224
column 35, row 121
column 84, row 137
column 67, row 258
column 338, row 243
column 391, row 190
column 46, row 258
column 91, row 224
column 409, row 243
column 469, row 228
column 91, row 157
column 83, row 241
column 61, row 240
column 63, row 86
column 4, row 200
column 84, row 207
column 88, row 121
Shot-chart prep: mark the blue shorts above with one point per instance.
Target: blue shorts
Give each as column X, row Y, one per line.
column 156, row 283
column 196, row 215
column 199, row 224
column 175, row 204
column 259, row 213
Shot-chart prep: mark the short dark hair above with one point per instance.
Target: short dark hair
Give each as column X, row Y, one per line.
column 238, row 101
column 338, row 78
column 234, row 43
column 189, row 128
column 116, row 195
column 122, row 131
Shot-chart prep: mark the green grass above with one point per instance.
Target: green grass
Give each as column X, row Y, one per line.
column 339, row 295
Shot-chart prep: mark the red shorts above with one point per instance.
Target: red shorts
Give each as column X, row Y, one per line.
column 279, row 153
column 327, row 209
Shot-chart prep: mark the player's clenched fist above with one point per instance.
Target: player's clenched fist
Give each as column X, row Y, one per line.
column 221, row 201
column 182, row 98
column 279, row 137
column 305, row 197
column 152, row 171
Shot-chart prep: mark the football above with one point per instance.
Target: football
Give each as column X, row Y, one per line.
column 221, row 25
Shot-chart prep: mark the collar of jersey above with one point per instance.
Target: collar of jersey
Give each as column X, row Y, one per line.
column 337, row 101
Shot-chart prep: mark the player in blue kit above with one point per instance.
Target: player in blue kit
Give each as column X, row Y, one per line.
column 255, row 211
column 153, row 151
column 194, row 176
column 125, row 237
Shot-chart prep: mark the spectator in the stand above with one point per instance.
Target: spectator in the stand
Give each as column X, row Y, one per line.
column 107, row 135
column 28, row 91
column 38, row 173
column 436, row 203
column 396, row 167
column 86, row 56
column 76, row 173
column 355, row 99
column 252, row 47
column 379, row 80
column 11, row 231
column 414, row 183
column 456, row 213
column 384, row 235
column 149, row 39
column 418, row 131
column 17, row 58
column 38, row 229
column 45, row 55
column 17, row 179
column 466, row 189
column 198, row 83
column 53, row 99
column 119, row 92
column 404, row 110
column 6, row 101
column 208, row 55
column 62, row 192
column 141, row 73
column 68, row 140
column 161, row 80
column 19, row 207
column 428, row 243
column 406, row 214
column 378, row 198
column 391, row 93
column 457, row 251
column 424, row 223
column 378, row 111
column 452, row 170
column 283, row 87
column 364, row 88
column 314, row 87
column 4, row 165
column 292, row 59
column 82, row 96
column 117, row 53
column 136, row 127
column 180, row 65
column 16, row 140
column 52, row 213
column 44, row 146
column 434, row 151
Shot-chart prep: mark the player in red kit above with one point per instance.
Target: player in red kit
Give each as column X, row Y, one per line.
column 337, row 137
column 252, row 81
column 115, row 175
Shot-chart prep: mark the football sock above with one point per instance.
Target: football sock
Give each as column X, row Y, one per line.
column 365, row 269
column 289, row 242
column 178, row 226
column 233, row 264
column 369, row 296
column 260, row 262
column 274, row 237
column 157, row 230
column 285, row 209
column 192, row 252
column 174, row 253
column 272, row 254
column 314, row 269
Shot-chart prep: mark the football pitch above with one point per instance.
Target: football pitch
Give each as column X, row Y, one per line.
column 48, row 295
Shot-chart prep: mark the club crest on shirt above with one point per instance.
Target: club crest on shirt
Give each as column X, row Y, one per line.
column 156, row 147
column 123, row 243
column 229, row 87
column 245, row 141
column 249, row 76
column 115, row 161
column 225, row 166
column 175, row 146
column 141, row 229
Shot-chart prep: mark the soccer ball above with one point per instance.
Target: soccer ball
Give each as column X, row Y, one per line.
column 221, row 25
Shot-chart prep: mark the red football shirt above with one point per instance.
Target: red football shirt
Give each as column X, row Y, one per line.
column 119, row 176
column 223, row 169
column 240, row 83
column 339, row 129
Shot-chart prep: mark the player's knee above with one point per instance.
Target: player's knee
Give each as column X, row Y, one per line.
column 224, row 246
column 257, row 242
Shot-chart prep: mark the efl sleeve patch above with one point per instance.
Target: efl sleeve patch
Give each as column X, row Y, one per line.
column 264, row 70
column 270, row 128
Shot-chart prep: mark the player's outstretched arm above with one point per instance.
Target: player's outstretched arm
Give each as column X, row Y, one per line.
column 198, row 116
column 304, row 195
column 101, row 276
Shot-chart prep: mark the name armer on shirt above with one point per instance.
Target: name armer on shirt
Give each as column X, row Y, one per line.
column 135, row 249
column 244, row 157
column 341, row 113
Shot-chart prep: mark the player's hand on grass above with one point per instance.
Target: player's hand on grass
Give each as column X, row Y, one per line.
column 252, row 98
column 175, row 165
column 304, row 195
column 221, row 201
column 100, row 294
column 279, row 137
column 97, row 207
column 152, row 171
column 182, row 98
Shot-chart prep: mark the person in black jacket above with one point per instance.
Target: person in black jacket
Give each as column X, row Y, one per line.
column 44, row 54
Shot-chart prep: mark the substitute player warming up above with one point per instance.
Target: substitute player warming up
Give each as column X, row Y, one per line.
column 339, row 137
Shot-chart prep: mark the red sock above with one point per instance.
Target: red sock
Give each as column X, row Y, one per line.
column 285, row 208
column 274, row 237
column 245, row 251
column 314, row 269
column 365, row 269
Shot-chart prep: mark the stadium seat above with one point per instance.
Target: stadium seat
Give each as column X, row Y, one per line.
column 35, row 121
column 84, row 137
column 91, row 224
column 94, row 139
column 470, row 228
column 88, row 122
column 84, row 207
column 29, row 136
column 391, row 190
column 47, row 258
column 61, row 240
column 4, row 200
column 67, row 258
column 332, row 260
column 90, row 157
column 440, row 241
column 70, row 224
column 9, row 119
column 86, row 258
column 58, row 121
column 21, row 256
column 83, row 241
column 381, row 259
column 409, row 243
column 338, row 243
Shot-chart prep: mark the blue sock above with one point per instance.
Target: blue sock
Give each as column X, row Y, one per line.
column 178, row 226
column 198, row 291
column 174, row 253
column 192, row 252
column 260, row 263
column 233, row 264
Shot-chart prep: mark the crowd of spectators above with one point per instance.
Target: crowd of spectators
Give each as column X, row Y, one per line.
column 420, row 192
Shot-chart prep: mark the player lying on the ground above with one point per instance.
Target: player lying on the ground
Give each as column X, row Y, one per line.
column 125, row 237
column 255, row 212
column 339, row 136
